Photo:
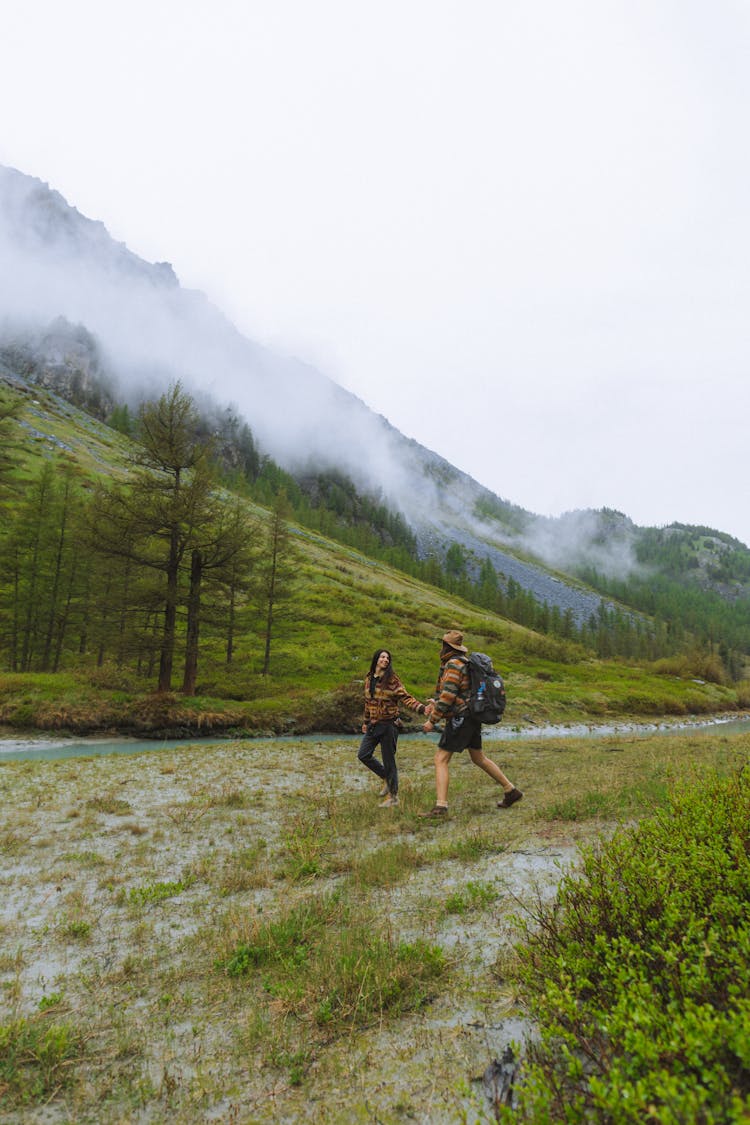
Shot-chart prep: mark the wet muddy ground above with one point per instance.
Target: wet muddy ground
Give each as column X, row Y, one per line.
column 123, row 879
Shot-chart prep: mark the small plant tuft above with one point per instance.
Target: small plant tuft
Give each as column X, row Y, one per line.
column 153, row 893
column 37, row 1059
column 112, row 806
column 474, row 896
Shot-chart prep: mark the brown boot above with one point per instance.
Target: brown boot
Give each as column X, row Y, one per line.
column 439, row 812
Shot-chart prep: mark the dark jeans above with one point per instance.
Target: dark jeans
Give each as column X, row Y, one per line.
column 385, row 735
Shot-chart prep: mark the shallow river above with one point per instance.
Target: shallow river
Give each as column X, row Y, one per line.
column 44, row 747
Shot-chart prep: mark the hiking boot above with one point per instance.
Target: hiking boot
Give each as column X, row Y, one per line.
column 390, row 801
column 510, row 798
column 438, row 813
column 385, row 791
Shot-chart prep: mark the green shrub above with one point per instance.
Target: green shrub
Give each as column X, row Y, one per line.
column 639, row 974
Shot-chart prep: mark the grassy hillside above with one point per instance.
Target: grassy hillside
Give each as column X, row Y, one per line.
column 342, row 606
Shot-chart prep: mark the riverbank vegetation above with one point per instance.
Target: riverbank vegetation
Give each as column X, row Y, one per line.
column 237, row 932
column 638, row 976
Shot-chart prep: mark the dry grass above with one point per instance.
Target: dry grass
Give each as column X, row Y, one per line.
column 118, row 920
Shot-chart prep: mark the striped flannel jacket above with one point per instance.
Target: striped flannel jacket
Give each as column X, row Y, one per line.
column 452, row 689
column 384, row 704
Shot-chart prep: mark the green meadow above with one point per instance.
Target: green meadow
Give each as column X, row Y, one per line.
column 342, row 608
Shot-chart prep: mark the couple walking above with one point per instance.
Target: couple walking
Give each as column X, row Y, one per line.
column 383, row 694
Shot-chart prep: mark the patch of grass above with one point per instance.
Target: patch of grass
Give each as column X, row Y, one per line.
column 11, row 962
column 335, row 966
column 54, row 1000
column 296, row 1063
column 474, row 896
column 469, row 848
column 388, row 865
column 245, row 870
column 112, row 806
column 230, row 797
column 152, row 893
column 76, row 929
column 610, row 798
column 188, row 813
column 37, row 1059
column 86, row 859
column 11, row 842
column 306, row 844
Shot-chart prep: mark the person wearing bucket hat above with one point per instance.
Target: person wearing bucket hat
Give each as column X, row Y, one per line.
column 461, row 730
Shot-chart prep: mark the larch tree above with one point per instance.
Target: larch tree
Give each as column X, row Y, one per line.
column 277, row 567
column 156, row 518
column 223, row 545
column 11, row 409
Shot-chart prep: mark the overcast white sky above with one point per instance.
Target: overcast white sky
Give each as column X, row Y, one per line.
column 520, row 229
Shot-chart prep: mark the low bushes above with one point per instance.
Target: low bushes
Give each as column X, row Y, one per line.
column 639, row 975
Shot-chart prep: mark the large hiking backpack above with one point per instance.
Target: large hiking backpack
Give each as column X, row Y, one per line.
column 487, row 695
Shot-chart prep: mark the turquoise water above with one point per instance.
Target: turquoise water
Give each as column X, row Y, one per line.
column 49, row 749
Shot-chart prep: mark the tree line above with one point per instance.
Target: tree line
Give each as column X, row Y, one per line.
column 133, row 571
column 137, row 571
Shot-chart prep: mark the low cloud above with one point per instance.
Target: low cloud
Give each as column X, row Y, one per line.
column 150, row 331
column 602, row 540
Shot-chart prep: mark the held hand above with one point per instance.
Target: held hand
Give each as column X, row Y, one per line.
column 364, row 728
column 428, row 727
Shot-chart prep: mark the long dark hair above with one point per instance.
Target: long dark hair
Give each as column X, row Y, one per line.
column 388, row 672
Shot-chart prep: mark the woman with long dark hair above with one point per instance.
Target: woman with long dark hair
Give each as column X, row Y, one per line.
column 380, row 725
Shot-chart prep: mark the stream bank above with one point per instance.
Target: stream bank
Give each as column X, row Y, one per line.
column 40, row 746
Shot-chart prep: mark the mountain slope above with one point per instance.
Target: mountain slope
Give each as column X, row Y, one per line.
column 148, row 330
column 137, row 330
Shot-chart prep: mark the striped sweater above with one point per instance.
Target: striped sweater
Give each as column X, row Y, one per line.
column 452, row 689
column 384, row 704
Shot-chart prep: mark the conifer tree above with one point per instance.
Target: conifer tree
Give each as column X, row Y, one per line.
column 10, row 409
column 276, row 570
column 223, row 543
column 156, row 518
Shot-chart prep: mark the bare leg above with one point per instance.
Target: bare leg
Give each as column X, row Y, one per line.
column 479, row 758
column 442, row 758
